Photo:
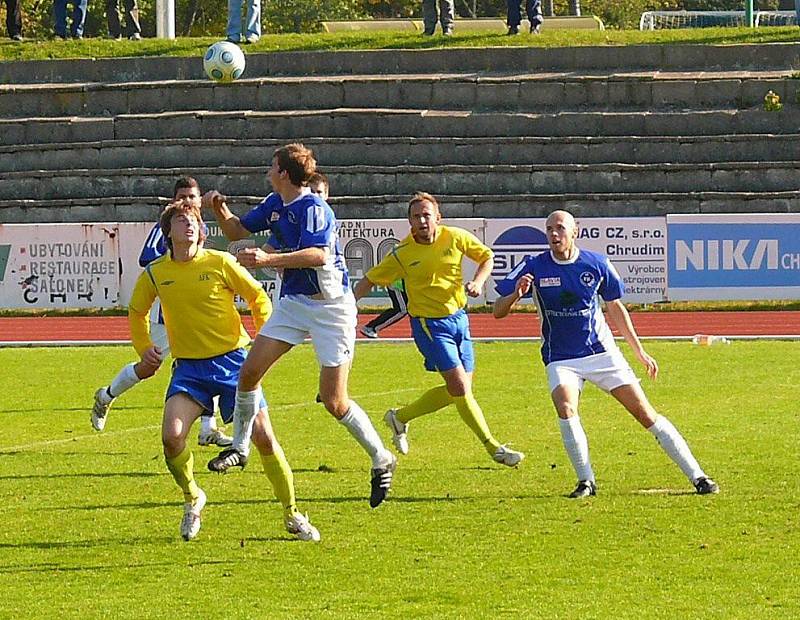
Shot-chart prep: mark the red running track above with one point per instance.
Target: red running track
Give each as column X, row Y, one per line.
column 648, row 324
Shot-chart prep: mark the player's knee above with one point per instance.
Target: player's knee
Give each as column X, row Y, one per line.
column 336, row 406
column 172, row 444
column 566, row 410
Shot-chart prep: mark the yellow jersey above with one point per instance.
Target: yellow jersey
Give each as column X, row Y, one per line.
column 432, row 273
column 197, row 299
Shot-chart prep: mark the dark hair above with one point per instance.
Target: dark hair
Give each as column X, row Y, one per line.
column 181, row 208
column 184, row 183
column 419, row 197
column 319, row 178
column 298, row 162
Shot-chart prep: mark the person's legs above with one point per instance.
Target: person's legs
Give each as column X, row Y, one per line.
column 633, row 398
column 78, row 18
column 233, row 29
column 60, row 18
column 132, row 25
column 279, row 473
column 253, row 27
column 14, row 18
column 565, row 399
column 429, row 16
column 447, row 12
column 533, row 8
column 125, row 379
column 112, row 16
column 180, row 412
column 388, row 317
column 513, row 15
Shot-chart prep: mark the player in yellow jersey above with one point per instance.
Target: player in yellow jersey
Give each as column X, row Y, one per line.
column 207, row 339
column 429, row 261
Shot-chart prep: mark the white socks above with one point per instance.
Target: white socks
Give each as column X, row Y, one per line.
column 207, row 422
column 577, row 446
column 673, row 443
column 360, row 427
column 244, row 414
column 124, row 381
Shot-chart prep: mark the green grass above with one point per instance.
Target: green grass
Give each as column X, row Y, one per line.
column 91, row 520
column 103, row 48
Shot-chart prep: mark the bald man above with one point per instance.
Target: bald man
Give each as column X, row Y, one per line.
column 568, row 285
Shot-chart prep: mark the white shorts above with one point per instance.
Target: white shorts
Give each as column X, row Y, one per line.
column 607, row 371
column 331, row 324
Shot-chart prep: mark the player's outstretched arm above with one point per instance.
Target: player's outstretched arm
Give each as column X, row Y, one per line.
column 253, row 258
column 622, row 320
column 230, row 224
column 503, row 306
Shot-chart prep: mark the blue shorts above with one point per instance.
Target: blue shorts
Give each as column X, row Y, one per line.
column 201, row 380
column 445, row 343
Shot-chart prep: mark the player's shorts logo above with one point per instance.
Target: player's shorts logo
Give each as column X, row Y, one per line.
column 587, row 278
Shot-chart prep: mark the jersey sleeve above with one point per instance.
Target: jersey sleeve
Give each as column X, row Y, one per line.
column 154, row 247
column 248, row 288
column 143, row 296
column 472, row 247
column 387, row 271
column 507, row 285
column 318, row 225
column 611, row 287
column 259, row 217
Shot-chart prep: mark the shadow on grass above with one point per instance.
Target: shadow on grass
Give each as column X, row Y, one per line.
column 138, row 474
column 52, row 566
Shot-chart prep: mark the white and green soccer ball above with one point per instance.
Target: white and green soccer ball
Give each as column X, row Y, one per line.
column 224, row 61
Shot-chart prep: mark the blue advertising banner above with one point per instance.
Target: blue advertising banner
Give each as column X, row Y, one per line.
column 719, row 257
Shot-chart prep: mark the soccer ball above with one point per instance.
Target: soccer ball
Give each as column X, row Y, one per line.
column 224, row 61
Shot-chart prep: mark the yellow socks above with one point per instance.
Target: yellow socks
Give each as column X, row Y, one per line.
column 432, row 400
column 182, row 469
column 280, row 476
column 470, row 412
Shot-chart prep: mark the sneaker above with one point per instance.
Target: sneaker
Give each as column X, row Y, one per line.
column 399, row 431
column 447, row 32
column 135, row 37
column 706, row 486
column 512, row 30
column 300, row 526
column 585, row 488
column 251, row 38
column 17, row 37
column 508, row 457
column 190, row 524
column 102, row 403
column 381, row 482
column 214, row 437
column 227, row 459
column 536, row 28
column 369, row 332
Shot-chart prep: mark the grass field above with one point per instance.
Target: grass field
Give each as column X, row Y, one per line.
column 196, row 46
column 91, row 520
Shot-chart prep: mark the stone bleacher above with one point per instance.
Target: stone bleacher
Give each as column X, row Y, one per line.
column 506, row 132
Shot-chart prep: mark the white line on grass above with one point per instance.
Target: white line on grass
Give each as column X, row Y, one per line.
column 56, row 442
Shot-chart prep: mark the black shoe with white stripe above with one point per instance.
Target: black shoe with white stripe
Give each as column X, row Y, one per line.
column 585, row 488
column 381, row 482
column 227, row 459
column 706, row 486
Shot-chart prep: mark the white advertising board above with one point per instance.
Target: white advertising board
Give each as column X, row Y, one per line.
column 637, row 247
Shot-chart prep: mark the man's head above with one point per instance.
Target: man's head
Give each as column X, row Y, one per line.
column 318, row 184
column 562, row 230
column 292, row 164
column 424, row 217
column 186, row 188
column 182, row 222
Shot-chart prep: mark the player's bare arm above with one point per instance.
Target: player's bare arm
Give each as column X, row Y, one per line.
column 230, row 224
column 363, row 288
column 504, row 305
column 151, row 358
column 475, row 286
column 622, row 320
column 307, row 257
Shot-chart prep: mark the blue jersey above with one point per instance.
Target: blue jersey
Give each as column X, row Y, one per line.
column 155, row 246
column 306, row 222
column 568, row 294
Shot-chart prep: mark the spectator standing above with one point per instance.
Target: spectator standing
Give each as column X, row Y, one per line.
column 133, row 30
column 78, row 17
column 446, row 16
column 533, row 8
column 252, row 29
column 14, row 19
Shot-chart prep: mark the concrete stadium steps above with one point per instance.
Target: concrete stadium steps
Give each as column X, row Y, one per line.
column 502, row 93
column 377, row 123
column 205, row 153
column 146, row 208
column 365, row 180
column 670, row 57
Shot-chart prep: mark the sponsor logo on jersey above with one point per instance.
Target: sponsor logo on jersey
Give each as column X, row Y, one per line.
column 543, row 282
column 275, row 216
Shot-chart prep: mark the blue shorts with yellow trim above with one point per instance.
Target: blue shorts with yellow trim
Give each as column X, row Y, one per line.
column 204, row 379
column 445, row 343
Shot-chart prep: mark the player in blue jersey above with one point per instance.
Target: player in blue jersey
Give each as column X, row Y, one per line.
column 568, row 284
column 315, row 300
column 186, row 190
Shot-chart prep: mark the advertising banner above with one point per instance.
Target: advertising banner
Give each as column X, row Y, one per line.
column 637, row 248
column 722, row 257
